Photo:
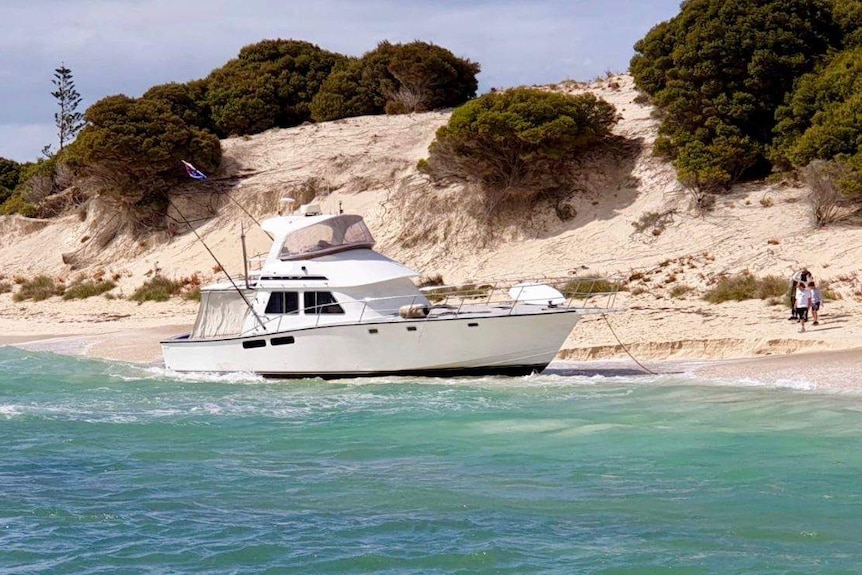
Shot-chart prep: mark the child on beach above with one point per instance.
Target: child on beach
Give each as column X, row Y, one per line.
column 816, row 300
column 803, row 302
column 803, row 276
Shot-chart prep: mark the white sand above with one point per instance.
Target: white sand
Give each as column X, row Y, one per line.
column 367, row 166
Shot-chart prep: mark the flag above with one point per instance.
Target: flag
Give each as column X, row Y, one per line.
column 193, row 172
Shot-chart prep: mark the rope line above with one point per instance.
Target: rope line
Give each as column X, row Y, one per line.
column 626, row 349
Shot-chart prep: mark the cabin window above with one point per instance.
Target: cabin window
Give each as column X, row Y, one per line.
column 283, row 302
column 321, row 302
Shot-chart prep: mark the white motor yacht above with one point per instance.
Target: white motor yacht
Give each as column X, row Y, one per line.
column 325, row 304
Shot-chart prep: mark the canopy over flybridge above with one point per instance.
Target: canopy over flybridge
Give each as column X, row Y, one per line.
column 300, row 238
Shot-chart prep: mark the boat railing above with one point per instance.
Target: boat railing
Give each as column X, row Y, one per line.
column 584, row 294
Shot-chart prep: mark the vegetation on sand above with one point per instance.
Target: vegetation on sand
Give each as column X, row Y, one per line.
column 745, row 286
column 518, row 144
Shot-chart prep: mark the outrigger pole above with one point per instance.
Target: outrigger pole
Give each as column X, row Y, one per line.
column 212, row 255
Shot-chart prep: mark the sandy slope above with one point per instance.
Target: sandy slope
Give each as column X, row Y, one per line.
column 367, row 166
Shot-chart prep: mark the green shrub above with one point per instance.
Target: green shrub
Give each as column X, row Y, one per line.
column 187, row 101
column 192, row 294
column 396, row 79
column 745, row 286
column 132, row 149
column 157, row 288
column 39, row 288
column 269, row 84
column 719, row 70
column 519, row 143
column 10, row 171
column 87, row 288
column 16, row 204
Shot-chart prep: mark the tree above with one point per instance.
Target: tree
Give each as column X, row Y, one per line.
column 520, row 143
column 67, row 119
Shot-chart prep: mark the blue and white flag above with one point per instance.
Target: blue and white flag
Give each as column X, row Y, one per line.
column 193, row 172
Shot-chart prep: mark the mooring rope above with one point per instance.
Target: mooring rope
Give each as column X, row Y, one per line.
column 625, row 349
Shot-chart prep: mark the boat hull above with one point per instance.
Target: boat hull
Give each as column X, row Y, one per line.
column 514, row 344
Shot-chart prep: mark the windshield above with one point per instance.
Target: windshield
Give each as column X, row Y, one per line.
column 333, row 235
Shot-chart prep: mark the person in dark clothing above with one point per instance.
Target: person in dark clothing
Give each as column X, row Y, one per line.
column 803, row 276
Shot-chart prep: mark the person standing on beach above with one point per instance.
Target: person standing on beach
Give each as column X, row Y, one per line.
column 804, row 276
column 803, row 302
column 816, row 300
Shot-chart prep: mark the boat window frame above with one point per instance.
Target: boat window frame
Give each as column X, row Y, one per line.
column 312, row 303
column 292, row 309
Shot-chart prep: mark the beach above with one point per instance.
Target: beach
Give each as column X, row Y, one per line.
column 742, row 342
column 367, row 166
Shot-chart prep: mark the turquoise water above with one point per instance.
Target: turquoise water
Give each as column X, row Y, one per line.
column 106, row 468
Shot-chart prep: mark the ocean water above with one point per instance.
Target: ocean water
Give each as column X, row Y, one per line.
column 109, row 468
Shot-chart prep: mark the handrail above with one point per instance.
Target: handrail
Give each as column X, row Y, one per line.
column 585, row 294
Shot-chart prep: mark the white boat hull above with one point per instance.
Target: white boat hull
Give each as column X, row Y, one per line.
column 498, row 344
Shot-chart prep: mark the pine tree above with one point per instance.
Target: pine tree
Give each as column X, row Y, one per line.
column 68, row 120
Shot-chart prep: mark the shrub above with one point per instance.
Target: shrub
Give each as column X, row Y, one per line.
column 5, row 287
column 157, row 288
column 39, row 288
column 720, row 69
column 269, row 84
column 396, row 79
column 10, row 171
column 16, row 204
column 186, row 101
column 84, row 289
column 432, row 280
column 653, row 221
column 745, row 286
column 519, row 143
column 132, row 150
column 193, row 294
column 680, row 290
column 820, row 120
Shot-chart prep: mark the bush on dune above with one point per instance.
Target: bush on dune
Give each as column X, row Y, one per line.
column 396, row 79
column 269, row 84
column 719, row 70
column 745, row 286
column 518, row 144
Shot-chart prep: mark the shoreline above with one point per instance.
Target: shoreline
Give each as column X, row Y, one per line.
column 835, row 370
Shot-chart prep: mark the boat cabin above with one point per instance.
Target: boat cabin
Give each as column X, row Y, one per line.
column 320, row 270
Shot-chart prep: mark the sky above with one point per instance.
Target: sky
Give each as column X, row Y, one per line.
column 127, row 46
